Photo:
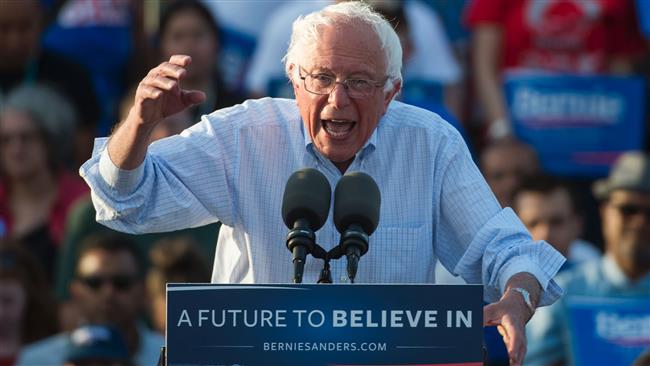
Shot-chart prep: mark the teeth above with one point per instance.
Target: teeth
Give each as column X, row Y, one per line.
column 338, row 128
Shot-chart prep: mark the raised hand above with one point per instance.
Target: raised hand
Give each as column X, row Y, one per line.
column 160, row 94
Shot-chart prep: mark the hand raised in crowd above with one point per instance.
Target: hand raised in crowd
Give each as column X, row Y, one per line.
column 160, row 94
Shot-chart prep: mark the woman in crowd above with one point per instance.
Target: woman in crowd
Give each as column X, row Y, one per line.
column 188, row 28
column 36, row 189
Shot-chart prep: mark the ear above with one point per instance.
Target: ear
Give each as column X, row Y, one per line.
column 390, row 95
column 292, row 70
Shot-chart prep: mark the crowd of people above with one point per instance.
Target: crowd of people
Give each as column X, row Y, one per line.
column 71, row 290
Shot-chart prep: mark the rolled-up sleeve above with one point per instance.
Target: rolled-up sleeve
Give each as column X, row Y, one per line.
column 482, row 242
column 183, row 181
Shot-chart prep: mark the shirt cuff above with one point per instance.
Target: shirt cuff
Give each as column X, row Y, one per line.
column 120, row 180
column 550, row 290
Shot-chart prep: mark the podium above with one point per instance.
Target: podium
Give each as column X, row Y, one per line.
column 288, row 324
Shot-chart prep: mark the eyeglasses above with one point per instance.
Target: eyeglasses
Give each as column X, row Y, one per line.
column 629, row 210
column 119, row 282
column 324, row 84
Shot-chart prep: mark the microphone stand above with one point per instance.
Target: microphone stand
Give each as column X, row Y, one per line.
column 300, row 241
column 325, row 274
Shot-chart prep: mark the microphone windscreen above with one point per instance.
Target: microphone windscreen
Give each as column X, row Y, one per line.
column 307, row 195
column 357, row 201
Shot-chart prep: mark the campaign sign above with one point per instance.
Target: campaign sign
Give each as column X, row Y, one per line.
column 608, row 331
column 578, row 125
column 324, row 325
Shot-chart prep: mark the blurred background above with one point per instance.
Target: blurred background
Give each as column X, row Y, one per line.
column 548, row 94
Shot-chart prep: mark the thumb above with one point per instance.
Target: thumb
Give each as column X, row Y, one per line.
column 491, row 315
column 191, row 97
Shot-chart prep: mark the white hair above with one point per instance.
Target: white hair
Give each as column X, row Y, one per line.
column 306, row 32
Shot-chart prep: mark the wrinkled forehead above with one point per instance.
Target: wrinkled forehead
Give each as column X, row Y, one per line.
column 557, row 200
column 344, row 42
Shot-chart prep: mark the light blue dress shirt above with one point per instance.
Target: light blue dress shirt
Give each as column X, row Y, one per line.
column 233, row 167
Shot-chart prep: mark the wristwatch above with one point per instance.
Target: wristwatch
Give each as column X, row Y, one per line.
column 526, row 296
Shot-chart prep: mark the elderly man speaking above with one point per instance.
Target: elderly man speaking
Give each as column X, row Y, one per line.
column 344, row 64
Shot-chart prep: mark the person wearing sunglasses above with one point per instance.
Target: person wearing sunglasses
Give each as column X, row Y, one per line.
column 622, row 273
column 107, row 289
column 344, row 66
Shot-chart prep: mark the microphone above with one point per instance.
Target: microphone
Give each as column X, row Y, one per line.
column 305, row 207
column 356, row 215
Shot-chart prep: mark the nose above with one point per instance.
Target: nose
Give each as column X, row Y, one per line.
column 338, row 97
column 107, row 290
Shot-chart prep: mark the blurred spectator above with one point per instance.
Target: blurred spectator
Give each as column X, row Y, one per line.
column 108, row 289
column 82, row 223
column 549, row 211
column 431, row 58
column 505, row 164
column 188, row 28
column 107, row 38
column 172, row 260
column 569, row 36
column 27, row 308
column 97, row 345
column 623, row 273
column 36, row 190
column 22, row 61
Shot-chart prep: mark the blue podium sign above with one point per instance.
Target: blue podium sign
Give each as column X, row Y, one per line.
column 608, row 331
column 324, row 325
column 578, row 125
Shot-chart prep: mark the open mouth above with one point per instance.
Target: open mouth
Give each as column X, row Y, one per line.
column 338, row 128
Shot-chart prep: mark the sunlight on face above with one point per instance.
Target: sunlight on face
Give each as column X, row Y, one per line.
column 339, row 125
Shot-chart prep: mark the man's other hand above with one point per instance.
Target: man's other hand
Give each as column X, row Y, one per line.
column 511, row 313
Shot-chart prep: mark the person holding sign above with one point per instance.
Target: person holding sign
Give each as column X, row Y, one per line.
column 603, row 317
column 344, row 65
